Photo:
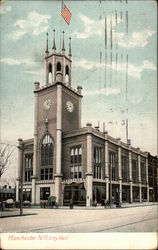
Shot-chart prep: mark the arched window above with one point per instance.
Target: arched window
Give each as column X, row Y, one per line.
column 76, row 154
column 50, row 73
column 50, row 67
column 58, row 66
column 72, row 155
column 80, row 155
column 47, row 151
column 66, row 74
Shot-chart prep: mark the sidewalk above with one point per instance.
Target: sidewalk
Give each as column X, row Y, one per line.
column 126, row 205
column 12, row 212
column 123, row 205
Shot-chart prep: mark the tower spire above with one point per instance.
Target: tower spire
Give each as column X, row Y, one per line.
column 47, row 51
column 63, row 45
column 70, row 55
column 54, row 46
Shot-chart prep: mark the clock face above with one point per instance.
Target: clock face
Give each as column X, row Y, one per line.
column 70, row 106
column 47, row 104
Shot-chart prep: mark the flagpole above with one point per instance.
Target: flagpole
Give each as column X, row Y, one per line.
column 126, row 96
column 111, row 47
column 61, row 22
column 100, row 69
column 105, row 48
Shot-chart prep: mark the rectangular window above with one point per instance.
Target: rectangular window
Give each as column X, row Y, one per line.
column 97, row 163
column 113, row 166
column 134, row 171
column 28, row 161
column 79, row 158
column 143, row 173
column 76, row 162
column 76, row 172
column 99, row 170
column 46, row 173
column 72, row 159
column 79, row 172
column 28, row 174
column 125, row 171
column 71, row 172
column 28, row 165
column 42, row 174
column 94, row 172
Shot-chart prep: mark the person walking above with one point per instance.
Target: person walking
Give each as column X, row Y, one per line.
column 71, row 204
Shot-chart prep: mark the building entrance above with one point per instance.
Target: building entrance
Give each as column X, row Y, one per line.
column 44, row 193
column 144, row 194
column 99, row 193
column 76, row 192
column 125, row 193
column 27, row 195
column 114, row 193
column 135, row 194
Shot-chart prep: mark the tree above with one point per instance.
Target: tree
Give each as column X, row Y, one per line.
column 5, row 152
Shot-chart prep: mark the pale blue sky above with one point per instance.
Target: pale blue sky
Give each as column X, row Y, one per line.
column 23, row 25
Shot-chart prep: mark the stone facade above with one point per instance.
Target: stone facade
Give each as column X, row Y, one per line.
column 70, row 162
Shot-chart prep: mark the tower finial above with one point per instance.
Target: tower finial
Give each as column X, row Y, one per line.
column 54, row 46
column 63, row 46
column 47, row 51
column 70, row 47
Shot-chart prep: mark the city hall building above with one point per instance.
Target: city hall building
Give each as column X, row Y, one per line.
column 69, row 161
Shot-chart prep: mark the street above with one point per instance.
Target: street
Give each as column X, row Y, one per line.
column 64, row 220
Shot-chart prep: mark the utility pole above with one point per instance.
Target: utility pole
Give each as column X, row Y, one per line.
column 21, row 147
column 127, row 97
column 110, row 185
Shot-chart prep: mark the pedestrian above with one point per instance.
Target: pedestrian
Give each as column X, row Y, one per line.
column 95, row 203
column 71, row 204
column 105, row 203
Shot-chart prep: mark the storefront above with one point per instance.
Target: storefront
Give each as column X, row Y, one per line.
column 151, row 195
column 125, row 193
column 44, row 193
column 75, row 192
column 135, row 194
column 27, row 194
column 144, row 194
column 99, row 192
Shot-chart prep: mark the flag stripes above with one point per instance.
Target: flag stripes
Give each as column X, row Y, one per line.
column 66, row 14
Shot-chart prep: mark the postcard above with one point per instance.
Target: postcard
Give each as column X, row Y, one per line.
column 78, row 127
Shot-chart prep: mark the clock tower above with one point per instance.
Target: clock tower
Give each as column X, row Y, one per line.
column 57, row 110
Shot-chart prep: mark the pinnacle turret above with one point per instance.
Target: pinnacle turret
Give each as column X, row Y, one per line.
column 63, row 45
column 47, row 51
column 54, row 46
column 70, row 47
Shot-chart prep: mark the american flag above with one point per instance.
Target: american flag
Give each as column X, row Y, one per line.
column 66, row 14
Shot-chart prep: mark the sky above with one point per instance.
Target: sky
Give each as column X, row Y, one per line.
column 132, row 28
